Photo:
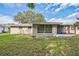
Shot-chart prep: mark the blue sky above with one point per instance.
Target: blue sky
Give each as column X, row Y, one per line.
column 53, row 12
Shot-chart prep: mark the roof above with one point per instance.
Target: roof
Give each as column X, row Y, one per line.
column 28, row 24
column 37, row 23
column 46, row 23
column 3, row 25
column 67, row 24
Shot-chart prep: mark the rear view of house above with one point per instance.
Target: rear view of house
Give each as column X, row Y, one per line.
column 44, row 29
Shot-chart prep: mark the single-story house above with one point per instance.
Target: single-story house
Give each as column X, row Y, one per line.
column 44, row 29
column 4, row 28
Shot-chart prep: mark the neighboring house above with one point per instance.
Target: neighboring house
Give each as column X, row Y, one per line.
column 3, row 28
column 44, row 29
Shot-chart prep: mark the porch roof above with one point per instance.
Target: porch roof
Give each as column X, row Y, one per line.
column 67, row 24
column 28, row 24
column 52, row 23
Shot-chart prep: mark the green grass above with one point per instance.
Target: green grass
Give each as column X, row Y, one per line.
column 25, row 45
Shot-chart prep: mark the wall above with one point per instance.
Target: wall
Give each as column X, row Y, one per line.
column 14, row 30
column 69, row 29
column 72, row 29
column 77, row 30
column 17, row 30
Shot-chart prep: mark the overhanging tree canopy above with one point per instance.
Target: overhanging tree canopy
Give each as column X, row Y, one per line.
column 29, row 17
column 31, row 5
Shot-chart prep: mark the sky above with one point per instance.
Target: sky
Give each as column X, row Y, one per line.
column 53, row 12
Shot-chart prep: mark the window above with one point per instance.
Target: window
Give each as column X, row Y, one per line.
column 48, row 29
column 44, row 29
column 40, row 28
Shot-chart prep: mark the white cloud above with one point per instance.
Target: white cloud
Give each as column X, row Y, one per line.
column 62, row 6
column 77, row 9
column 64, row 21
column 55, row 4
column 74, row 4
column 6, row 19
column 66, row 5
column 48, row 6
column 73, row 15
column 55, row 20
column 11, row 5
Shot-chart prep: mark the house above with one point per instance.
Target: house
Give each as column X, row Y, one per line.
column 4, row 28
column 44, row 29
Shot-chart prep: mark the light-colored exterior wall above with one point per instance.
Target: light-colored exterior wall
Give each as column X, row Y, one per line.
column 77, row 30
column 69, row 29
column 72, row 29
column 17, row 30
column 14, row 30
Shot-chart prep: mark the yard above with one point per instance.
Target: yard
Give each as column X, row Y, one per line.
column 25, row 45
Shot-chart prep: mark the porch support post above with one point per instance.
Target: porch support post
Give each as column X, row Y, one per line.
column 68, row 29
column 54, row 30
column 75, row 29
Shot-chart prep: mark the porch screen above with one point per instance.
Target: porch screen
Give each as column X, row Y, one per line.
column 44, row 29
column 40, row 29
column 48, row 29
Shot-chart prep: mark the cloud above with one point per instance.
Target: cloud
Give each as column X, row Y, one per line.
column 51, row 4
column 64, row 21
column 77, row 9
column 55, row 20
column 6, row 19
column 55, row 4
column 12, row 5
column 48, row 6
column 62, row 6
column 66, row 5
column 74, row 4
column 73, row 15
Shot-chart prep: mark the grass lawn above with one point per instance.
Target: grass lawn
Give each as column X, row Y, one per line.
column 25, row 45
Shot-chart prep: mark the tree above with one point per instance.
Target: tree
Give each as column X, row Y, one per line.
column 31, row 6
column 77, row 18
column 77, row 23
column 39, row 17
column 29, row 17
column 19, row 17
